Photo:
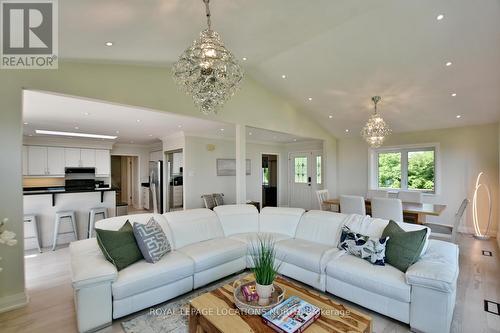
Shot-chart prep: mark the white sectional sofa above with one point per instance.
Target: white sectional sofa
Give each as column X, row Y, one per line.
column 209, row 245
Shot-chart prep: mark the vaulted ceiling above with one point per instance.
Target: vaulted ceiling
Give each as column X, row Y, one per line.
column 335, row 54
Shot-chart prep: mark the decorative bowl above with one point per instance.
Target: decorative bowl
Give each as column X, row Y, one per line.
column 253, row 307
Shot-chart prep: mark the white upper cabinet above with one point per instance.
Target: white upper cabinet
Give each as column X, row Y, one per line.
column 72, row 157
column 25, row 160
column 55, row 161
column 102, row 162
column 87, row 158
column 37, row 157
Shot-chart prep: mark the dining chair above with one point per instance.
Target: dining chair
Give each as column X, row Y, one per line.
column 447, row 231
column 377, row 194
column 387, row 208
column 352, row 204
column 322, row 195
column 410, row 196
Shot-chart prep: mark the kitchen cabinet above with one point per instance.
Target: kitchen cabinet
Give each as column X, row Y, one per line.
column 25, row 160
column 177, row 163
column 55, row 161
column 87, row 158
column 177, row 196
column 102, row 162
column 37, row 161
column 72, row 157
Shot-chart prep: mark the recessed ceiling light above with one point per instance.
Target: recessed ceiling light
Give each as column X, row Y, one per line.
column 180, row 126
column 77, row 128
column 310, row 98
column 25, row 123
column 150, row 134
column 86, row 113
column 249, row 133
column 117, row 132
column 330, row 116
column 458, row 116
column 448, row 64
column 109, row 43
column 454, row 94
column 294, row 139
column 244, row 59
column 222, row 130
column 347, row 131
column 283, row 76
column 138, row 120
column 440, row 17
column 82, row 135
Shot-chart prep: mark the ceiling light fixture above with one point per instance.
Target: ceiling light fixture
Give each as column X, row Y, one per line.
column 449, row 63
column 117, row 132
column 376, row 129
column 222, row 130
column 458, row 116
column 330, row 116
column 310, row 98
column 440, row 17
column 25, row 123
column 454, row 94
column 283, row 76
column 179, row 126
column 77, row 128
column 109, row 44
column 347, row 130
column 244, row 59
column 207, row 70
column 86, row 113
column 82, row 135
column 138, row 120
column 250, row 133
column 294, row 140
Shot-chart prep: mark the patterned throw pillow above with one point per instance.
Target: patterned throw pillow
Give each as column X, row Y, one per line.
column 152, row 241
column 219, row 200
column 370, row 249
column 209, row 201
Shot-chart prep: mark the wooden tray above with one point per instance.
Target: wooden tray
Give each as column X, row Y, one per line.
column 253, row 307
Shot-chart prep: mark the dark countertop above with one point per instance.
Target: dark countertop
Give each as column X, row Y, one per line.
column 56, row 190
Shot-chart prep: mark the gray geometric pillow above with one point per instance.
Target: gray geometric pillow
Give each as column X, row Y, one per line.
column 209, row 201
column 370, row 249
column 219, row 200
column 152, row 241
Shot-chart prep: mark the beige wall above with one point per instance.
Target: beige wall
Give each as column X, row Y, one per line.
column 144, row 86
column 463, row 153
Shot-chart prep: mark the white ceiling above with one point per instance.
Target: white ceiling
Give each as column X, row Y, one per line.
column 48, row 111
column 340, row 52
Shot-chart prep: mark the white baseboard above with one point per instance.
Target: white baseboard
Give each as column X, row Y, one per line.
column 12, row 302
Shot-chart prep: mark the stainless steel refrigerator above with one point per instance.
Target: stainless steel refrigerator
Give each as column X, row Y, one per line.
column 156, row 185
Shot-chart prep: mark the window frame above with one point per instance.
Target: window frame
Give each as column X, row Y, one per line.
column 373, row 171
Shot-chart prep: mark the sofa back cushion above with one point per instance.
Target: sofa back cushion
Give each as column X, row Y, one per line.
column 321, row 227
column 193, row 226
column 237, row 219
column 280, row 220
column 115, row 223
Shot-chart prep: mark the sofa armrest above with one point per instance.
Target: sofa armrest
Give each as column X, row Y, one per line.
column 437, row 269
column 88, row 264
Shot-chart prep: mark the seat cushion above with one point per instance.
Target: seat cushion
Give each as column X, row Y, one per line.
column 214, row 252
column 305, row 254
column 383, row 280
column 143, row 276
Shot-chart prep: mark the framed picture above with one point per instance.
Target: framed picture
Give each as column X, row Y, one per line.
column 227, row 167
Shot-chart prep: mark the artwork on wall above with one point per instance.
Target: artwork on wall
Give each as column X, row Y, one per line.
column 227, row 167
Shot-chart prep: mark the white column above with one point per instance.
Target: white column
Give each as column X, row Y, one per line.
column 241, row 188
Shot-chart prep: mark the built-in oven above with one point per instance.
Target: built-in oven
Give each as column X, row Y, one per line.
column 79, row 179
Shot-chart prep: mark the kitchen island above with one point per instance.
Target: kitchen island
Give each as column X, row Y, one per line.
column 45, row 202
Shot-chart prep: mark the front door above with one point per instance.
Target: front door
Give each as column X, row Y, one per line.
column 305, row 178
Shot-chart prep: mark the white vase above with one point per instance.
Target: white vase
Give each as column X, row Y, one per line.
column 264, row 292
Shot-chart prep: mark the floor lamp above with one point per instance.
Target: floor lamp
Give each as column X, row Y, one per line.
column 475, row 216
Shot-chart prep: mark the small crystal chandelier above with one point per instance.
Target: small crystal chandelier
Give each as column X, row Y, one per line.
column 376, row 129
column 208, row 71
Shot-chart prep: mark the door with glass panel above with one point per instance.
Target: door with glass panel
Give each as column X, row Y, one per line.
column 305, row 178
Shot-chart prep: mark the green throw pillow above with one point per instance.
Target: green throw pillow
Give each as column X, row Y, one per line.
column 404, row 247
column 119, row 247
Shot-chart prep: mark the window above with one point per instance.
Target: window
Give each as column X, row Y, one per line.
column 408, row 168
column 318, row 169
column 265, row 176
column 300, row 169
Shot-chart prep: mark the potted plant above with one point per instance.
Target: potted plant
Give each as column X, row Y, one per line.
column 265, row 267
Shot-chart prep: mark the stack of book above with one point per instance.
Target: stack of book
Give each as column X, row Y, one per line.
column 292, row 316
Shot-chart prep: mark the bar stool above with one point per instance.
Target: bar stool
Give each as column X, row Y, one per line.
column 92, row 215
column 31, row 230
column 70, row 216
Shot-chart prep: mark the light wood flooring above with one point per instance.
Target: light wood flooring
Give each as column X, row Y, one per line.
column 51, row 308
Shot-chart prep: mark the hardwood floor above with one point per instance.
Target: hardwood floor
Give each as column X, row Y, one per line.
column 51, row 309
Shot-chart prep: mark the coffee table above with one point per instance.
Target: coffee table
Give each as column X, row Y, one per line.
column 215, row 312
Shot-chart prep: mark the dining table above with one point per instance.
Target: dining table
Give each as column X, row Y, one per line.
column 413, row 212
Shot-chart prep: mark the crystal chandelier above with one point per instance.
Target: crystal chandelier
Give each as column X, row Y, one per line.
column 208, row 71
column 376, row 129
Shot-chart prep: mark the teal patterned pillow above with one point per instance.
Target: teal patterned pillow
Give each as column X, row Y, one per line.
column 152, row 241
column 370, row 249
